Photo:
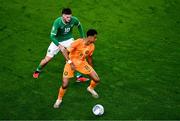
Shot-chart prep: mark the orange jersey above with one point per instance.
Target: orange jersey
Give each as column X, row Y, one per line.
column 79, row 51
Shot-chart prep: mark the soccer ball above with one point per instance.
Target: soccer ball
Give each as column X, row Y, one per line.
column 98, row 110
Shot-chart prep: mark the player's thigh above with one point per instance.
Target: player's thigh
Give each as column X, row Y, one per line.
column 94, row 76
column 52, row 50
column 68, row 72
column 65, row 82
column 84, row 68
column 67, row 43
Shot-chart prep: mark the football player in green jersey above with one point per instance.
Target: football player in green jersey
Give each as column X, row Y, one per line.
column 62, row 37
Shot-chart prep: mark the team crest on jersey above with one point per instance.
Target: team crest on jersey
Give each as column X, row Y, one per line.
column 86, row 52
column 81, row 55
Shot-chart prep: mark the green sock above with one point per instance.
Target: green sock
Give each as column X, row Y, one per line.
column 39, row 68
column 78, row 74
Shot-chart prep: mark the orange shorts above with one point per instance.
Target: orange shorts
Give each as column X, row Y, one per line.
column 84, row 68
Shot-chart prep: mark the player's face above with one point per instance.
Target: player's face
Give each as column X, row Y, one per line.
column 93, row 38
column 66, row 17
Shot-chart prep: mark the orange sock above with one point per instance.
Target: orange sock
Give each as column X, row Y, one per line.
column 92, row 84
column 61, row 93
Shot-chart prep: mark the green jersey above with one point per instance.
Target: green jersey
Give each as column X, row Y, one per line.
column 63, row 31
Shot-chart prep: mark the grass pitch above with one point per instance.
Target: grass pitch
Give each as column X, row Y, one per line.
column 137, row 57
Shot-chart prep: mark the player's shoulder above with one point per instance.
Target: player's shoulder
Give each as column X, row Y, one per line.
column 79, row 40
column 92, row 45
column 74, row 18
column 58, row 20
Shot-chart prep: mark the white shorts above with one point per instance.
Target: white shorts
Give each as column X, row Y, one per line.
column 53, row 49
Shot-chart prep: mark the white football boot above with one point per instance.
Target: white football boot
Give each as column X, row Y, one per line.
column 57, row 103
column 93, row 92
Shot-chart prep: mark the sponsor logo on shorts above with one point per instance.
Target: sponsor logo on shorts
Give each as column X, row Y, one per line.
column 87, row 68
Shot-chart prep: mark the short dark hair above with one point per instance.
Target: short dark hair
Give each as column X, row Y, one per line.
column 66, row 11
column 91, row 32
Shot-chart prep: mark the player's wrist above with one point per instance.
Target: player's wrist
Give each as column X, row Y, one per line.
column 61, row 47
column 69, row 61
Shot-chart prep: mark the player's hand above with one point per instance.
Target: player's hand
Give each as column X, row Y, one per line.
column 62, row 48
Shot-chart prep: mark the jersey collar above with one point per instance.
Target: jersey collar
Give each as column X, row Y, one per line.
column 63, row 21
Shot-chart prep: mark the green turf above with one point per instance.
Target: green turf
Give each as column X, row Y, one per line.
column 137, row 57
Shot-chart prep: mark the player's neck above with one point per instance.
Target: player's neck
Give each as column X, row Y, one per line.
column 87, row 41
column 64, row 21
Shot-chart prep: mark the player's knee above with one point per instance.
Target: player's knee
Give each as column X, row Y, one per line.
column 64, row 86
column 97, row 79
column 44, row 61
column 47, row 58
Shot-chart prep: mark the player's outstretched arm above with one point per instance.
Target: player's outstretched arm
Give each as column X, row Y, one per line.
column 64, row 52
column 54, row 31
column 81, row 31
column 54, row 40
column 66, row 56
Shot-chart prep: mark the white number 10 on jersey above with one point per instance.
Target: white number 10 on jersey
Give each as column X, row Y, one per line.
column 67, row 30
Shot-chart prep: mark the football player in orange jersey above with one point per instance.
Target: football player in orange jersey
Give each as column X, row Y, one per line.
column 76, row 60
